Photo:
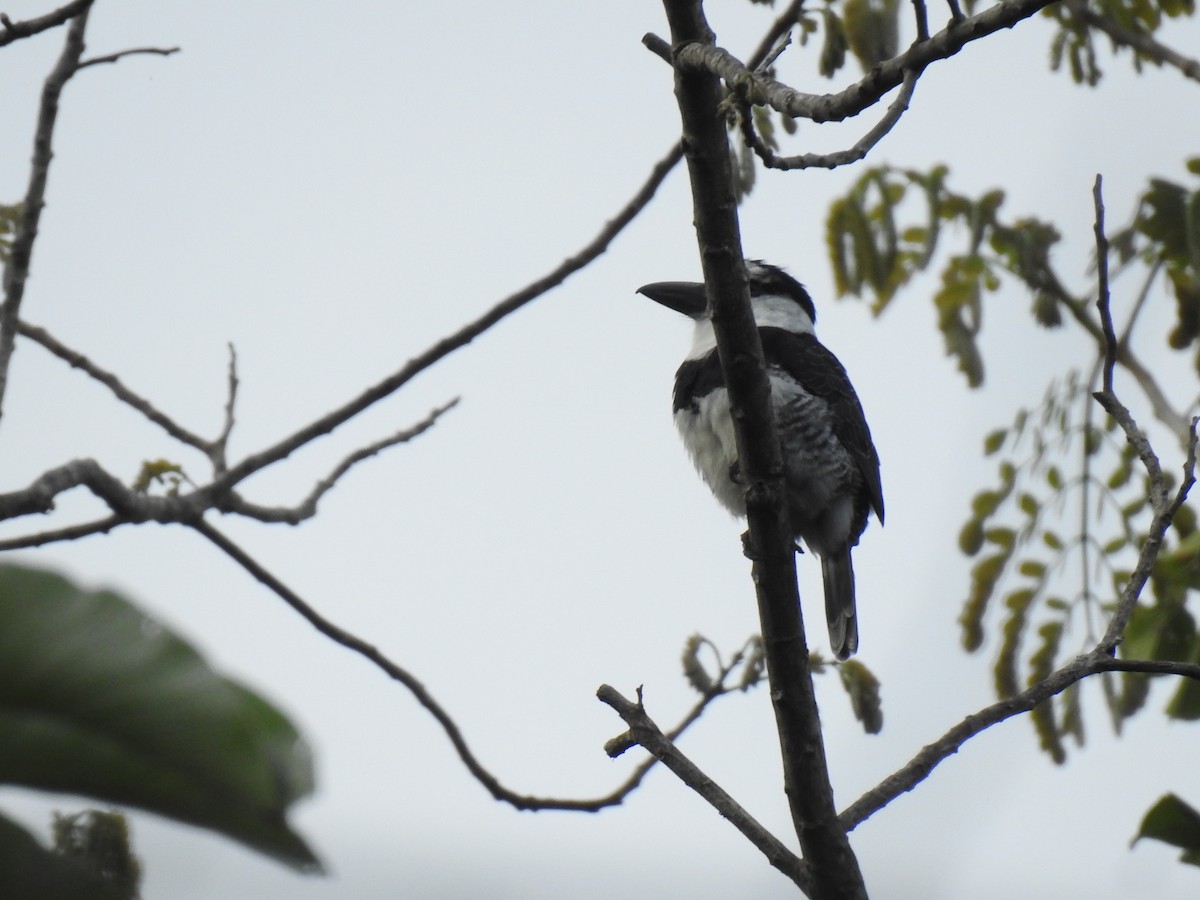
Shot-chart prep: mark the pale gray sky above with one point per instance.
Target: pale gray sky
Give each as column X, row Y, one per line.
column 332, row 188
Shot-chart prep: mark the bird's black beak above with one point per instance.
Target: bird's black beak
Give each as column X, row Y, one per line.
column 685, row 297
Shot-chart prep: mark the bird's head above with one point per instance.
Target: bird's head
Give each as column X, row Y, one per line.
column 777, row 299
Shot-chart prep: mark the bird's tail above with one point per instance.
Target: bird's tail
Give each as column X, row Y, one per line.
column 838, row 574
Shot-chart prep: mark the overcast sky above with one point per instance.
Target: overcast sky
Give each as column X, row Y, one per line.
column 332, row 188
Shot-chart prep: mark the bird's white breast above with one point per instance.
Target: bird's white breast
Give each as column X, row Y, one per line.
column 707, row 432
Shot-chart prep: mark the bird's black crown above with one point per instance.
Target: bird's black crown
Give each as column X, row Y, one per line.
column 768, row 280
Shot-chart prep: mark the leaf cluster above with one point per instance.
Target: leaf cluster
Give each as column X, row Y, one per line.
column 1074, row 42
column 886, row 230
column 1020, row 530
column 1166, row 231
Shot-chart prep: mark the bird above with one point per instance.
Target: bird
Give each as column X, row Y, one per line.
column 830, row 465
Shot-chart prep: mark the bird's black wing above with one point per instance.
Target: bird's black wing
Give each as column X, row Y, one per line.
column 820, row 373
column 697, row 378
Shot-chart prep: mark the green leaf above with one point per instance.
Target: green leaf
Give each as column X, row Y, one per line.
column 754, row 665
column 984, row 503
column 1005, row 538
column 97, row 699
column 1041, row 664
column 99, row 841
column 1032, row 568
column 994, row 441
column 1116, row 544
column 693, row 669
column 1173, row 822
column 970, row 539
column 863, row 687
column 1185, row 704
column 1005, row 671
column 833, row 50
column 871, row 29
column 27, row 869
column 984, row 576
column 1072, row 715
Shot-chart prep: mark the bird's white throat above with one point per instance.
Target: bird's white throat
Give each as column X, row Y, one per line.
column 770, row 311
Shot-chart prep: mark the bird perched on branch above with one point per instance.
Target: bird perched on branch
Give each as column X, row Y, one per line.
column 830, row 467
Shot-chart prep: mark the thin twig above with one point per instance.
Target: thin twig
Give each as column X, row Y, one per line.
column 77, row 360
column 307, row 508
column 71, row 533
column 1152, row 667
column 1164, row 514
column 922, row 17
column 1103, row 302
column 1085, row 513
column 220, row 446
column 645, row 733
column 840, row 157
column 1081, row 311
column 775, row 53
column 121, row 54
column 16, row 270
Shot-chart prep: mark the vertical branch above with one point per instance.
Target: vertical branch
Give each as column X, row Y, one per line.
column 806, row 777
column 1102, row 296
column 16, row 272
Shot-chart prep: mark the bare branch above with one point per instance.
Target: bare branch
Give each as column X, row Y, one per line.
column 424, row 697
column 128, row 504
column 1152, row 667
column 14, row 31
column 308, row 507
column 16, row 270
column 759, row 90
column 77, row 360
column 1103, row 300
column 840, row 157
column 71, row 533
column 644, row 732
column 1080, row 310
column 930, row 756
column 221, row 444
column 1164, row 514
column 922, row 19
column 774, row 54
column 121, row 54
column 1111, row 345
column 460, row 338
